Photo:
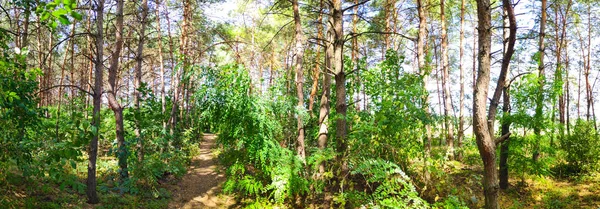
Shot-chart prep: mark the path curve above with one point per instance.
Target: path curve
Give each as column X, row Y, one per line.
column 200, row 187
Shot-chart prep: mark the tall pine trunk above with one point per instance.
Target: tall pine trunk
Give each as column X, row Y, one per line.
column 299, row 78
column 113, row 74
column 539, row 117
column 485, row 142
column 91, row 193
column 138, row 78
column 445, row 85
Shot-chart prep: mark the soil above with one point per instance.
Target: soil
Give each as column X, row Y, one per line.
column 201, row 186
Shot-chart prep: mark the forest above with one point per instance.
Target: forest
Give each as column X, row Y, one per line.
column 299, row 104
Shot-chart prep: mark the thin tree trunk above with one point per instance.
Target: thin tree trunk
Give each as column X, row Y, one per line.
column 445, row 85
column 162, row 64
column 588, row 87
column 113, row 72
column 325, row 97
column 461, row 120
column 317, row 69
column 62, row 78
column 424, row 71
column 299, row 78
column 354, row 57
column 138, row 79
column 504, row 147
column 93, row 149
column 510, row 32
column 538, row 117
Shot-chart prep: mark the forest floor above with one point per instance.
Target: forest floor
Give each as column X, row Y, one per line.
column 201, row 186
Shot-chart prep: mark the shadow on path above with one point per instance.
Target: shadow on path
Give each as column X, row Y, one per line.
column 201, row 186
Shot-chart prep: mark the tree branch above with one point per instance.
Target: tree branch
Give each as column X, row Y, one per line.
column 355, row 5
column 501, row 139
column 354, row 35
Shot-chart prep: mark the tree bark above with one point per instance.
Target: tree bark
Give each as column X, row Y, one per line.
column 461, row 119
column 504, row 147
column 424, row 71
column 445, row 85
column 97, row 101
column 538, row 117
column 325, row 97
column 510, row 31
column 113, row 72
column 317, row 69
column 354, row 57
column 299, row 79
column 340, row 85
column 138, row 78
column 485, row 142
column 161, row 63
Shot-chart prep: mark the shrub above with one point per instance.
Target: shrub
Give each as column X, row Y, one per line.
column 581, row 147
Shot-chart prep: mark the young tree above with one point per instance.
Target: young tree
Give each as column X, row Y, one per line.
column 138, row 75
column 97, row 101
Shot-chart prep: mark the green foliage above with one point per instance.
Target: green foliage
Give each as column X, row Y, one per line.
column 582, row 147
column 57, row 10
column 257, row 165
column 390, row 186
column 452, row 202
column 395, row 130
column 19, row 115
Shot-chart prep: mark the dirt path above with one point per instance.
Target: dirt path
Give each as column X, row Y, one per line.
column 200, row 187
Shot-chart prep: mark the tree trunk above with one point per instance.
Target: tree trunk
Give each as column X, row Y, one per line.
column 461, row 120
column 504, row 147
column 325, row 97
column 317, row 69
column 162, row 64
column 340, row 85
column 424, row 71
column 138, row 78
column 588, row 87
column 93, row 150
column 113, row 72
column 299, row 78
column 510, row 31
column 538, row 117
column 485, row 142
column 445, row 86
column 354, row 57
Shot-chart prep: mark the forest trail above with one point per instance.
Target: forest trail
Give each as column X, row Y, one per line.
column 200, row 187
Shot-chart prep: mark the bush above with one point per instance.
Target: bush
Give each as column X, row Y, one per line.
column 581, row 147
column 390, row 186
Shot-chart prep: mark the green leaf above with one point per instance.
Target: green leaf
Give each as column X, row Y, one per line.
column 64, row 20
column 76, row 15
column 59, row 12
column 73, row 164
column 53, row 25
